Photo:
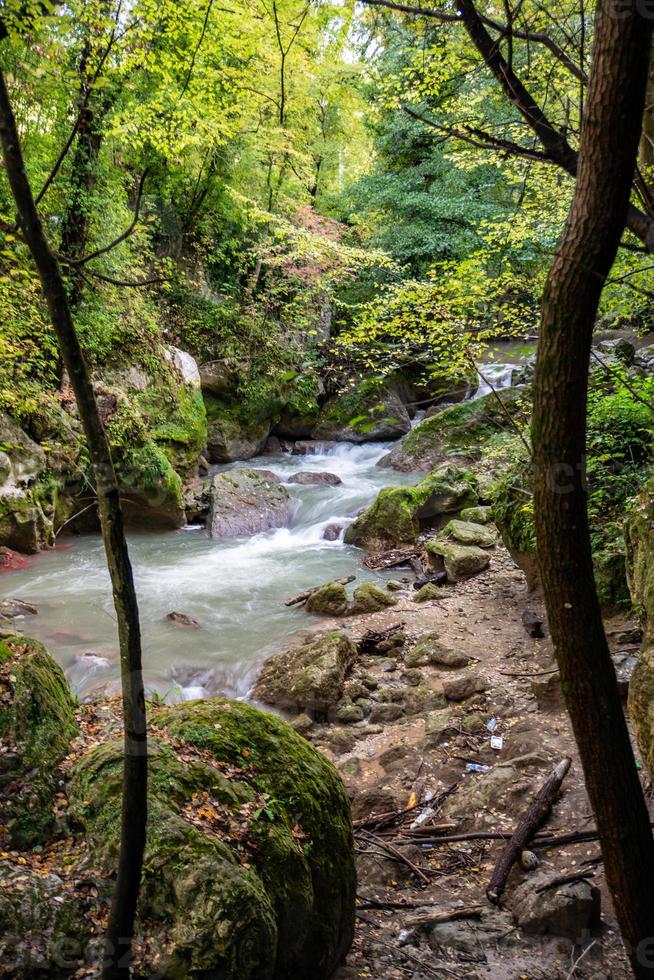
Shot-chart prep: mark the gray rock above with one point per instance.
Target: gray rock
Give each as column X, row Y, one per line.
column 541, row 907
column 468, row 532
column 309, row 479
column 310, row 676
column 185, row 363
column 382, row 713
column 181, row 619
column 332, row 532
column 243, row 502
column 219, row 377
column 463, row 686
column 349, row 714
column 10, row 608
column 429, row 650
column 460, row 561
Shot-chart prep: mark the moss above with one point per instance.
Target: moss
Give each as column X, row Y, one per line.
column 459, row 432
column 37, row 724
column 328, row 600
column 400, row 513
column 369, row 598
column 372, row 410
column 283, row 906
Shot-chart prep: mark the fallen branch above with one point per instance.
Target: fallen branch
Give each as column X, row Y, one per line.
column 536, row 814
column 372, row 638
column 392, row 558
column 448, row 915
column 294, row 600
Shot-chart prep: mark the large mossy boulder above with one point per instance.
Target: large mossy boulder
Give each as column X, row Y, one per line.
column 399, row 514
column 458, row 433
column 245, row 502
column 37, row 724
column 308, row 677
column 639, row 538
column 232, row 433
column 367, row 413
column 28, row 494
column 458, row 560
column 249, row 865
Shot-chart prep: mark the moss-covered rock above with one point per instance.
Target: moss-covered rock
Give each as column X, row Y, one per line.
column 479, row 515
column 42, row 927
column 399, row 514
column 468, row 532
column 328, row 600
column 28, row 492
column 369, row 598
column 309, row 676
column 428, row 593
column 244, row 502
column 513, row 513
column 232, row 433
column 367, row 413
column 458, row 433
column 639, row 538
column 251, row 877
column 36, row 726
column 459, row 560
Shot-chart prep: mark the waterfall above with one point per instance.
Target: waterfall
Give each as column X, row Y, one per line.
column 495, row 377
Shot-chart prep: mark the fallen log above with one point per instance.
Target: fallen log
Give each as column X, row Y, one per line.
column 534, row 817
column 294, row 600
column 392, row 558
column 446, row 915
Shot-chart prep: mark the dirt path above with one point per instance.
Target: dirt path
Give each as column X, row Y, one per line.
column 423, row 757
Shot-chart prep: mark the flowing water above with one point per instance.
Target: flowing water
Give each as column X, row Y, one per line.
column 234, row 589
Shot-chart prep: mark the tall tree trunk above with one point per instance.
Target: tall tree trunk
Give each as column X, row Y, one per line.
column 607, row 155
column 134, row 810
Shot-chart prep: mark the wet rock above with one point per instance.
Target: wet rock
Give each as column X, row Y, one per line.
column 329, row 600
column 332, row 532
column 273, row 446
column 243, row 502
column 10, row 608
column 230, row 438
column 395, row 586
column 310, row 676
column 399, row 514
column 309, row 479
column 10, row 560
column 463, row 686
column 182, row 619
column 543, row 907
column 312, row 447
column 369, row 598
column 467, row 532
column 460, row 561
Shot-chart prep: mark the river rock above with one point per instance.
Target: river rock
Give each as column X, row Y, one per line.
column 382, row 712
column 185, row 364
column 541, row 907
column 332, row 532
column 229, row 439
column 328, row 600
column 460, row 561
column 458, row 433
column 37, row 724
column 309, row 676
column 26, row 513
column 428, row 593
column 308, row 479
column 349, row 714
column 278, row 909
column 366, row 414
column 369, row 598
column 399, row 514
column 10, row 608
column 467, row 532
column 312, row 447
column 182, row 619
column 243, row 502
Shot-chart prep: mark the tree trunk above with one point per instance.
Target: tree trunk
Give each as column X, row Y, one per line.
column 607, row 156
column 134, row 811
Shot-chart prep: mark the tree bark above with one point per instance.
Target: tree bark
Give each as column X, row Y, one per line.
column 609, row 142
column 134, row 808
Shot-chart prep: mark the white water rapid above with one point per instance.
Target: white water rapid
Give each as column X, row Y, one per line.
column 234, row 589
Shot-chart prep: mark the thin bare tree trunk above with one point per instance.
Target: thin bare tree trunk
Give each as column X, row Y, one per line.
column 607, row 156
column 134, row 812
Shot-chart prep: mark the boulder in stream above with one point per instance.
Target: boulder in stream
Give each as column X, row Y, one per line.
column 365, row 414
column 245, row 502
column 307, row 478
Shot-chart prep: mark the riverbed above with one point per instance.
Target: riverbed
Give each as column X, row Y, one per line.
column 234, row 589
